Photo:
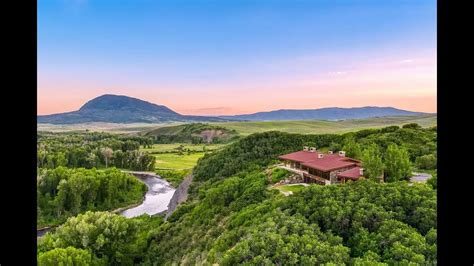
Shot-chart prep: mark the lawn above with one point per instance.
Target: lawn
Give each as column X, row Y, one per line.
column 249, row 127
column 177, row 161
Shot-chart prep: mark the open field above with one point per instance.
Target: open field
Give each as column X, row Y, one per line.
column 105, row 127
column 323, row 127
column 168, row 156
column 174, row 165
column 246, row 128
column 176, row 161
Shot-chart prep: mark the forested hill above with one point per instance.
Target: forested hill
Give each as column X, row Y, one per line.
column 261, row 149
column 121, row 109
column 192, row 133
column 332, row 113
column 233, row 218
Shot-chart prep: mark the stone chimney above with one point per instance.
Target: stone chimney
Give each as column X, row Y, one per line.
column 361, row 171
column 305, row 148
column 342, row 153
column 320, row 155
column 312, row 149
column 330, row 152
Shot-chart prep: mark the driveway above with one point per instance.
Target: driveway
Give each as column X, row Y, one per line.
column 420, row 177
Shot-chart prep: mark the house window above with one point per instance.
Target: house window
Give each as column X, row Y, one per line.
column 326, row 175
column 319, row 173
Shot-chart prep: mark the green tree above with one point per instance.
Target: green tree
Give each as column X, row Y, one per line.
column 412, row 125
column 91, row 160
column 42, row 155
column 352, row 148
column 334, row 146
column 106, row 235
column 372, row 162
column 433, row 181
column 286, row 240
column 401, row 243
column 427, row 161
column 107, row 154
column 390, row 129
column 370, row 258
column 64, row 192
column 397, row 163
column 61, row 159
column 432, row 240
column 68, row 256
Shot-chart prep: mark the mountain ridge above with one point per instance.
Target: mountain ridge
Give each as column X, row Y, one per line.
column 111, row 108
column 326, row 113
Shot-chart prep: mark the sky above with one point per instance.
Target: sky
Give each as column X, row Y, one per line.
column 210, row 57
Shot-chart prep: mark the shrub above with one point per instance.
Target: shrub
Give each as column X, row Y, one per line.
column 279, row 174
column 428, row 162
column 411, row 125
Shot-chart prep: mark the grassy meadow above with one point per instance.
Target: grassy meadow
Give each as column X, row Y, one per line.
column 176, row 161
column 118, row 128
column 247, row 128
column 179, row 156
column 326, row 127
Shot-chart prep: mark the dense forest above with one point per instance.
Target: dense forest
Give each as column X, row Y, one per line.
column 63, row 192
column 93, row 149
column 78, row 172
column 231, row 217
column 98, row 238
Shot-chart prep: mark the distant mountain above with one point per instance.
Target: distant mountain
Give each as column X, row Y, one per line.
column 110, row 108
column 332, row 113
column 121, row 109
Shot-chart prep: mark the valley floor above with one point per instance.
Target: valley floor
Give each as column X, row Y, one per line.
column 245, row 128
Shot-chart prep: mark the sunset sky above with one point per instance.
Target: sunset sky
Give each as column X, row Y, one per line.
column 238, row 56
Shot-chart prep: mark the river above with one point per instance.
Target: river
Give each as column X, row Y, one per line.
column 156, row 199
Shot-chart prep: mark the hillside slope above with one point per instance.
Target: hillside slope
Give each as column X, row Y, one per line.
column 192, row 133
column 233, row 218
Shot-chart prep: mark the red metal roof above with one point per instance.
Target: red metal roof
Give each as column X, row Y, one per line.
column 300, row 156
column 329, row 162
column 353, row 173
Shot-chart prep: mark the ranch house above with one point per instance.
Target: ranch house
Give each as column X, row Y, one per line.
column 322, row 168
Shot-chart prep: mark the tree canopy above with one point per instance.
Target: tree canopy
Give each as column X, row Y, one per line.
column 397, row 163
column 63, row 192
column 89, row 150
column 232, row 217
